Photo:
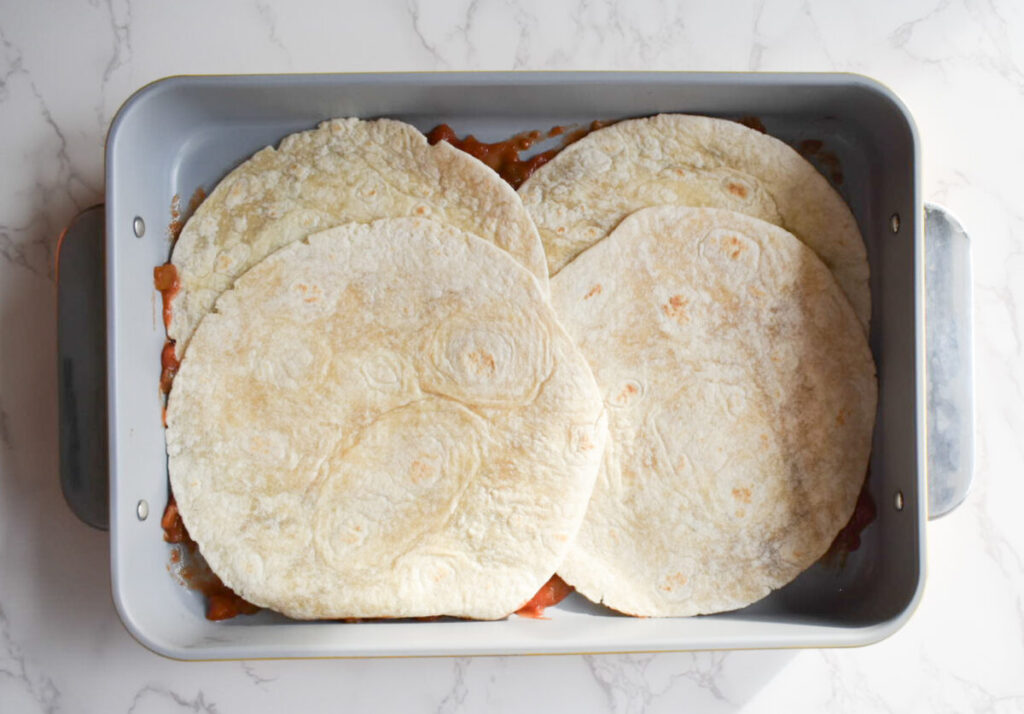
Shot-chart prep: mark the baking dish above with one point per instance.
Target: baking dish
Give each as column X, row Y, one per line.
column 184, row 133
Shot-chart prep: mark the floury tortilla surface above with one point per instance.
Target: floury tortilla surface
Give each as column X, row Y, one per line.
column 741, row 395
column 385, row 420
column 581, row 195
column 345, row 170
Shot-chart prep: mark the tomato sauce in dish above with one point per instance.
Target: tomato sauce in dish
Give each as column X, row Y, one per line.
column 222, row 603
column 550, row 594
column 827, row 161
column 179, row 218
column 165, row 279
column 847, row 539
column 504, row 156
column 752, row 122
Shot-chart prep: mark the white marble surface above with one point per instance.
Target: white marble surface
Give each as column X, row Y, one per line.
column 66, row 66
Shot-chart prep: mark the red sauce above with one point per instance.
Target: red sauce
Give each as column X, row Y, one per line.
column 222, row 603
column 848, row 539
column 504, row 156
column 168, row 366
column 176, row 224
column 174, row 528
column 165, row 278
column 828, row 161
column 179, row 218
column 550, row 594
column 752, row 122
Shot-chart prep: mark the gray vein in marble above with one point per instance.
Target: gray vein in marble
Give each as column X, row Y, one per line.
column 456, row 696
column 524, row 22
column 980, row 698
column 120, row 29
column 34, row 255
column 414, row 16
column 707, row 677
column 15, row 666
column 1003, row 290
column 900, row 37
column 267, row 16
column 119, row 19
column 258, row 679
column 625, row 682
column 996, row 31
column 464, row 29
column 30, row 246
column 605, row 24
column 757, row 47
column 1002, row 551
column 807, row 8
column 197, row 704
column 849, row 689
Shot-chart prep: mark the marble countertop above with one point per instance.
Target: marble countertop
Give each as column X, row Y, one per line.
column 66, row 67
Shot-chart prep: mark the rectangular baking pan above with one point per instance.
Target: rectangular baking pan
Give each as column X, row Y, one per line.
column 183, row 133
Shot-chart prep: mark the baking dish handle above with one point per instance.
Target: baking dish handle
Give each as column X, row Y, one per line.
column 82, row 367
column 950, row 360
column 82, row 378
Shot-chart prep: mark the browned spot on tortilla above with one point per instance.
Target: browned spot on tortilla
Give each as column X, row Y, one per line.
column 596, row 290
column 675, row 308
column 676, row 580
column 421, row 210
column 741, row 494
column 418, row 471
column 737, row 247
column 482, row 361
column 310, row 293
column 738, row 189
column 585, row 443
column 628, row 391
column 740, row 513
column 724, row 297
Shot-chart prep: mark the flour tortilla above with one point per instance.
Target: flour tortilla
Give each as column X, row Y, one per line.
column 345, row 170
column 741, row 395
column 578, row 197
column 386, row 421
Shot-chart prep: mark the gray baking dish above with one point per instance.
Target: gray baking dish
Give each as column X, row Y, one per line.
column 182, row 133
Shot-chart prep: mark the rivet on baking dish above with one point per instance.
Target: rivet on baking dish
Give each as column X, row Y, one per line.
column 894, row 223
column 139, row 227
column 897, row 501
column 142, row 510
